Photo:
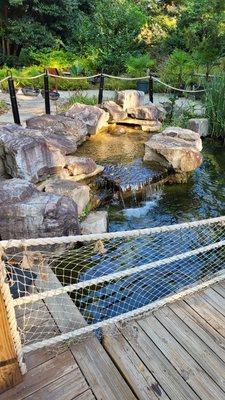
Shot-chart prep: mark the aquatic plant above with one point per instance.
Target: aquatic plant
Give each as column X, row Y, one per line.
column 215, row 105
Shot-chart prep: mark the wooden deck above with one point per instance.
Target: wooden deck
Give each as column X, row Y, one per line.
column 176, row 352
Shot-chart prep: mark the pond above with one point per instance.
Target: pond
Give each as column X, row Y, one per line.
column 202, row 197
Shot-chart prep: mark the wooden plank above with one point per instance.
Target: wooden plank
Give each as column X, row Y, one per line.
column 220, row 288
column 195, row 347
column 10, row 373
column 208, row 312
column 187, row 367
column 215, row 299
column 42, row 375
column 198, row 325
column 95, row 364
column 159, row 366
column 88, row 395
column 131, row 366
column 65, row 388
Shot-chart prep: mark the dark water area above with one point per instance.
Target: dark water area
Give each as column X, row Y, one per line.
column 202, row 197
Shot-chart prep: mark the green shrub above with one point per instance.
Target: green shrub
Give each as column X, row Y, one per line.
column 137, row 66
column 215, row 105
column 178, row 69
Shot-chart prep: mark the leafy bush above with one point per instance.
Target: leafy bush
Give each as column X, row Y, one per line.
column 215, row 105
column 137, row 66
column 179, row 69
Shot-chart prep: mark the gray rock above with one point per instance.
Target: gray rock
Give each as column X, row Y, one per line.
column 96, row 222
column 66, row 187
column 147, row 126
column 116, row 112
column 199, row 125
column 26, row 154
column 130, row 99
column 149, row 112
column 174, row 148
column 27, row 213
column 93, row 117
column 62, row 132
column 80, row 165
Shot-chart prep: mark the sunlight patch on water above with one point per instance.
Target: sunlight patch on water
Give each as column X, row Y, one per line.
column 144, row 207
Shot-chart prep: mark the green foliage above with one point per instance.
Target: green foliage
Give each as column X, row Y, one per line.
column 137, row 66
column 179, row 68
column 78, row 97
column 215, row 105
column 3, row 107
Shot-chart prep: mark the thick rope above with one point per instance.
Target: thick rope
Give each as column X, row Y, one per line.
column 174, row 88
column 116, row 276
column 123, row 78
column 73, row 78
column 5, row 290
column 111, row 235
column 28, row 77
column 138, row 312
column 4, row 79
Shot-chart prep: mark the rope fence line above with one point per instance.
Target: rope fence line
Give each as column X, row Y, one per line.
column 174, row 88
column 6, row 244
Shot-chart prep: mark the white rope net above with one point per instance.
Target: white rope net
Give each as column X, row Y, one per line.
column 63, row 288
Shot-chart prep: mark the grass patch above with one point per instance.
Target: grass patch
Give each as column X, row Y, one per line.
column 3, row 107
column 215, row 106
column 78, row 97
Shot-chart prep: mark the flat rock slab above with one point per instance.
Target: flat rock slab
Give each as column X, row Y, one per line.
column 93, row 117
column 26, row 154
column 66, row 187
column 149, row 112
column 96, row 222
column 25, row 212
column 193, row 138
column 146, row 126
column 132, row 176
column 82, row 167
column 62, row 132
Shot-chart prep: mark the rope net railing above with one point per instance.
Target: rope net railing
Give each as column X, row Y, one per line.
column 66, row 288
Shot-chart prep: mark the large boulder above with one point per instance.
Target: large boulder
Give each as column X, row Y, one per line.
column 96, row 222
column 184, row 134
column 82, row 167
column 26, row 154
column 149, row 112
column 80, row 193
column 176, row 149
column 93, row 117
column 62, row 132
column 199, row 125
column 116, row 113
column 130, row 99
column 27, row 213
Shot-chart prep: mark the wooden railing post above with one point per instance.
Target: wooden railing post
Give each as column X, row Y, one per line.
column 13, row 100
column 46, row 92
column 10, row 373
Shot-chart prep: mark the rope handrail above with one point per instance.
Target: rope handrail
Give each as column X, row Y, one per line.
column 4, row 79
column 122, row 78
column 116, row 275
column 177, row 89
column 5, row 244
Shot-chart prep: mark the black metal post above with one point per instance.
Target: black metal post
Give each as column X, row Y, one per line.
column 101, row 89
column 47, row 98
column 15, row 110
column 150, row 88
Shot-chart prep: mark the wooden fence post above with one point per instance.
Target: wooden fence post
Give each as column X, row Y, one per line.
column 46, row 92
column 10, row 373
column 13, row 100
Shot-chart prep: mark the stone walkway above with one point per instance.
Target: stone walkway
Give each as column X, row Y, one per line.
column 31, row 106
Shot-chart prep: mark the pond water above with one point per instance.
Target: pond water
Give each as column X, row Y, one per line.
column 202, row 197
